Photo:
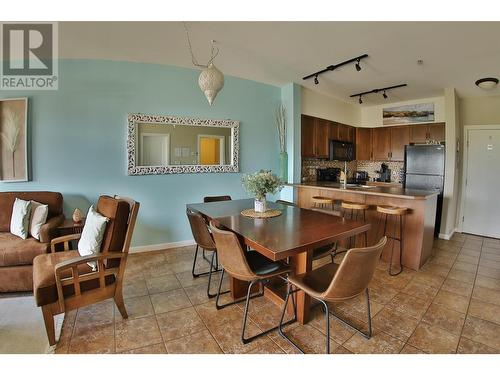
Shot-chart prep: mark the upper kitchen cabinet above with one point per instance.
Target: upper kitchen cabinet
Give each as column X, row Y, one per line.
column 363, row 144
column 345, row 133
column 315, row 137
column 427, row 132
column 400, row 136
column 381, row 143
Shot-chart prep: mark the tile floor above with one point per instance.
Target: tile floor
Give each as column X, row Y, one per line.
column 451, row 306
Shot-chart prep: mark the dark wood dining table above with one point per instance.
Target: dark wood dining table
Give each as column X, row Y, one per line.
column 292, row 235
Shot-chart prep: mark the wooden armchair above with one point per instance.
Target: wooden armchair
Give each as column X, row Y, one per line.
column 64, row 281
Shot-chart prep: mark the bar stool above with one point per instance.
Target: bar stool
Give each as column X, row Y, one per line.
column 399, row 212
column 360, row 210
column 322, row 202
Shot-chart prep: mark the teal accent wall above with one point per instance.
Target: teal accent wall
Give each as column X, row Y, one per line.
column 78, row 138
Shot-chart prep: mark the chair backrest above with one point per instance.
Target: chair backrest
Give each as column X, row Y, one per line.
column 216, row 198
column 199, row 228
column 230, row 254
column 287, row 203
column 355, row 272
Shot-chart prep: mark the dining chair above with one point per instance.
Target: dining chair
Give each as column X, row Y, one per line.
column 338, row 283
column 203, row 239
column 248, row 266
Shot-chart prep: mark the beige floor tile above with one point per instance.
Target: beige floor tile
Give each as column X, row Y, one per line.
column 136, row 333
column 267, row 347
column 432, row 339
column 471, row 260
column 465, row 277
column 378, row 343
column 382, row 294
column 490, row 250
column 137, row 307
column 162, row 283
column 339, row 331
column 198, row 343
column 491, row 256
column 474, row 245
column 408, row 349
column 437, row 269
column 96, row 314
column 430, row 279
column 229, row 337
column 474, row 254
column 457, row 287
column 93, row 339
column 488, row 282
column 482, row 331
column 395, row 323
column 467, row 346
column 179, row 323
column 417, row 289
column 170, row 301
column 453, row 301
column 212, row 317
column 409, row 305
column 135, row 288
column 490, row 263
column 310, row 339
column 151, row 349
column 486, row 294
column 158, row 269
column 198, row 294
column 445, row 318
column 464, row 266
column 489, row 272
column 443, row 260
column 484, row 310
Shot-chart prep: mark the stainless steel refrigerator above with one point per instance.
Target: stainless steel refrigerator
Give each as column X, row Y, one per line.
column 424, row 170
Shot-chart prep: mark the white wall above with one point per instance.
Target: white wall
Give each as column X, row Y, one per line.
column 480, row 110
column 372, row 116
column 329, row 108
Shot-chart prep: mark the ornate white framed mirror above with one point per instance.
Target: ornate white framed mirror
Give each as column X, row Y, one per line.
column 158, row 144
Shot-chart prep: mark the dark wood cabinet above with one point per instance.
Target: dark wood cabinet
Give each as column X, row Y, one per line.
column 322, row 136
column 315, row 137
column 381, row 143
column 363, row 144
column 437, row 132
column 427, row 132
column 400, row 136
column 345, row 133
column 307, row 136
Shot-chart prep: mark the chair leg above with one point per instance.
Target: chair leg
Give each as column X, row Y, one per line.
column 219, row 307
column 194, row 265
column 400, row 240
column 280, row 327
column 368, row 310
column 120, row 304
column 212, row 270
column 49, row 324
column 327, row 322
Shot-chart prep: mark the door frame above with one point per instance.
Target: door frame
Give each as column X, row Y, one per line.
column 166, row 140
column 465, row 162
column 222, row 147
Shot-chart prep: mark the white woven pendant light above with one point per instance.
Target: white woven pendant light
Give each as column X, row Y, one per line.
column 211, row 81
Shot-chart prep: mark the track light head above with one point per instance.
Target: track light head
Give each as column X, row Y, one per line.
column 384, row 95
column 316, row 79
column 358, row 67
column 360, row 100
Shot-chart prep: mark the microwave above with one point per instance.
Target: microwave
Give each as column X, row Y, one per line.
column 341, row 151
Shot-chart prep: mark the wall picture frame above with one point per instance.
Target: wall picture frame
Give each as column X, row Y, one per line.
column 14, row 163
column 409, row 114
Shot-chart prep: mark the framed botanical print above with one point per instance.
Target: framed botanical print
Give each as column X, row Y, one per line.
column 14, row 140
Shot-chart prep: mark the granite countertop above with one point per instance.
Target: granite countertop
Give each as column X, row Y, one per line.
column 396, row 192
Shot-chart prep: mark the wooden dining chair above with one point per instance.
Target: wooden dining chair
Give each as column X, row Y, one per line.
column 64, row 281
column 248, row 266
column 338, row 283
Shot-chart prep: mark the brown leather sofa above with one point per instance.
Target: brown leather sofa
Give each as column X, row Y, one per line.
column 16, row 254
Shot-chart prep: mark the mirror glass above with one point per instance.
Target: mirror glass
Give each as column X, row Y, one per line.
column 167, row 144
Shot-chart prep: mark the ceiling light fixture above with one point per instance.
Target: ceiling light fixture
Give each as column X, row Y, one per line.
column 488, row 83
column 316, row 79
column 375, row 91
column 330, row 68
column 360, row 100
column 211, row 79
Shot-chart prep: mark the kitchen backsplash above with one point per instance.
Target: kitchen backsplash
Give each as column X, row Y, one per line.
column 310, row 165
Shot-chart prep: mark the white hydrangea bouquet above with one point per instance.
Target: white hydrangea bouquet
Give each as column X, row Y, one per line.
column 259, row 184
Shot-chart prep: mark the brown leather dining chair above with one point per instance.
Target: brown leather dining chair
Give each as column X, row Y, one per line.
column 203, row 239
column 337, row 283
column 248, row 266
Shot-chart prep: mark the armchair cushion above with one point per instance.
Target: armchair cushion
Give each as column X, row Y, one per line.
column 15, row 251
column 44, row 279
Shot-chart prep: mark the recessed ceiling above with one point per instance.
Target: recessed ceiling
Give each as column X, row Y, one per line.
column 454, row 54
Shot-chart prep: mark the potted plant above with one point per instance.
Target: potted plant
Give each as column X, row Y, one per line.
column 259, row 184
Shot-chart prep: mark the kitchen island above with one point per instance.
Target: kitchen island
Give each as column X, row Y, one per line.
column 418, row 222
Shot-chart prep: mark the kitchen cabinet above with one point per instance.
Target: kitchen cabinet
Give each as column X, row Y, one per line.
column 381, row 143
column 315, row 137
column 363, row 144
column 426, row 132
column 345, row 133
column 400, row 136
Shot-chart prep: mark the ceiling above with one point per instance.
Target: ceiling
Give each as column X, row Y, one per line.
column 454, row 54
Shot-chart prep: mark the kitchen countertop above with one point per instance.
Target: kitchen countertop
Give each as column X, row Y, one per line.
column 395, row 192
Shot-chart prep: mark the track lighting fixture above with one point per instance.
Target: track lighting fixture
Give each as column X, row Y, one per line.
column 358, row 67
column 375, row 91
column 330, row 68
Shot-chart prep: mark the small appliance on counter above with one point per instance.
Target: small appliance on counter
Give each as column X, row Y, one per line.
column 385, row 173
column 327, row 174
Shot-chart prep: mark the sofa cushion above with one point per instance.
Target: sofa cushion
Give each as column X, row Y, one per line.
column 20, row 220
column 52, row 199
column 15, row 251
column 44, row 279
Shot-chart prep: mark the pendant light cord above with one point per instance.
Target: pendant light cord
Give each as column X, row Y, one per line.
column 213, row 54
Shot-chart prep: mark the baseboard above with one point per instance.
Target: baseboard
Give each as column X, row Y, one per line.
column 160, row 246
column 445, row 236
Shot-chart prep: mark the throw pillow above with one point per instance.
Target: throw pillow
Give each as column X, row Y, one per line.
column 92, row 234
column 20, row 218
column 39, row 214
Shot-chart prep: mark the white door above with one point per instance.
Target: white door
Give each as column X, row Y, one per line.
column 154, row 149
column 481, row 201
